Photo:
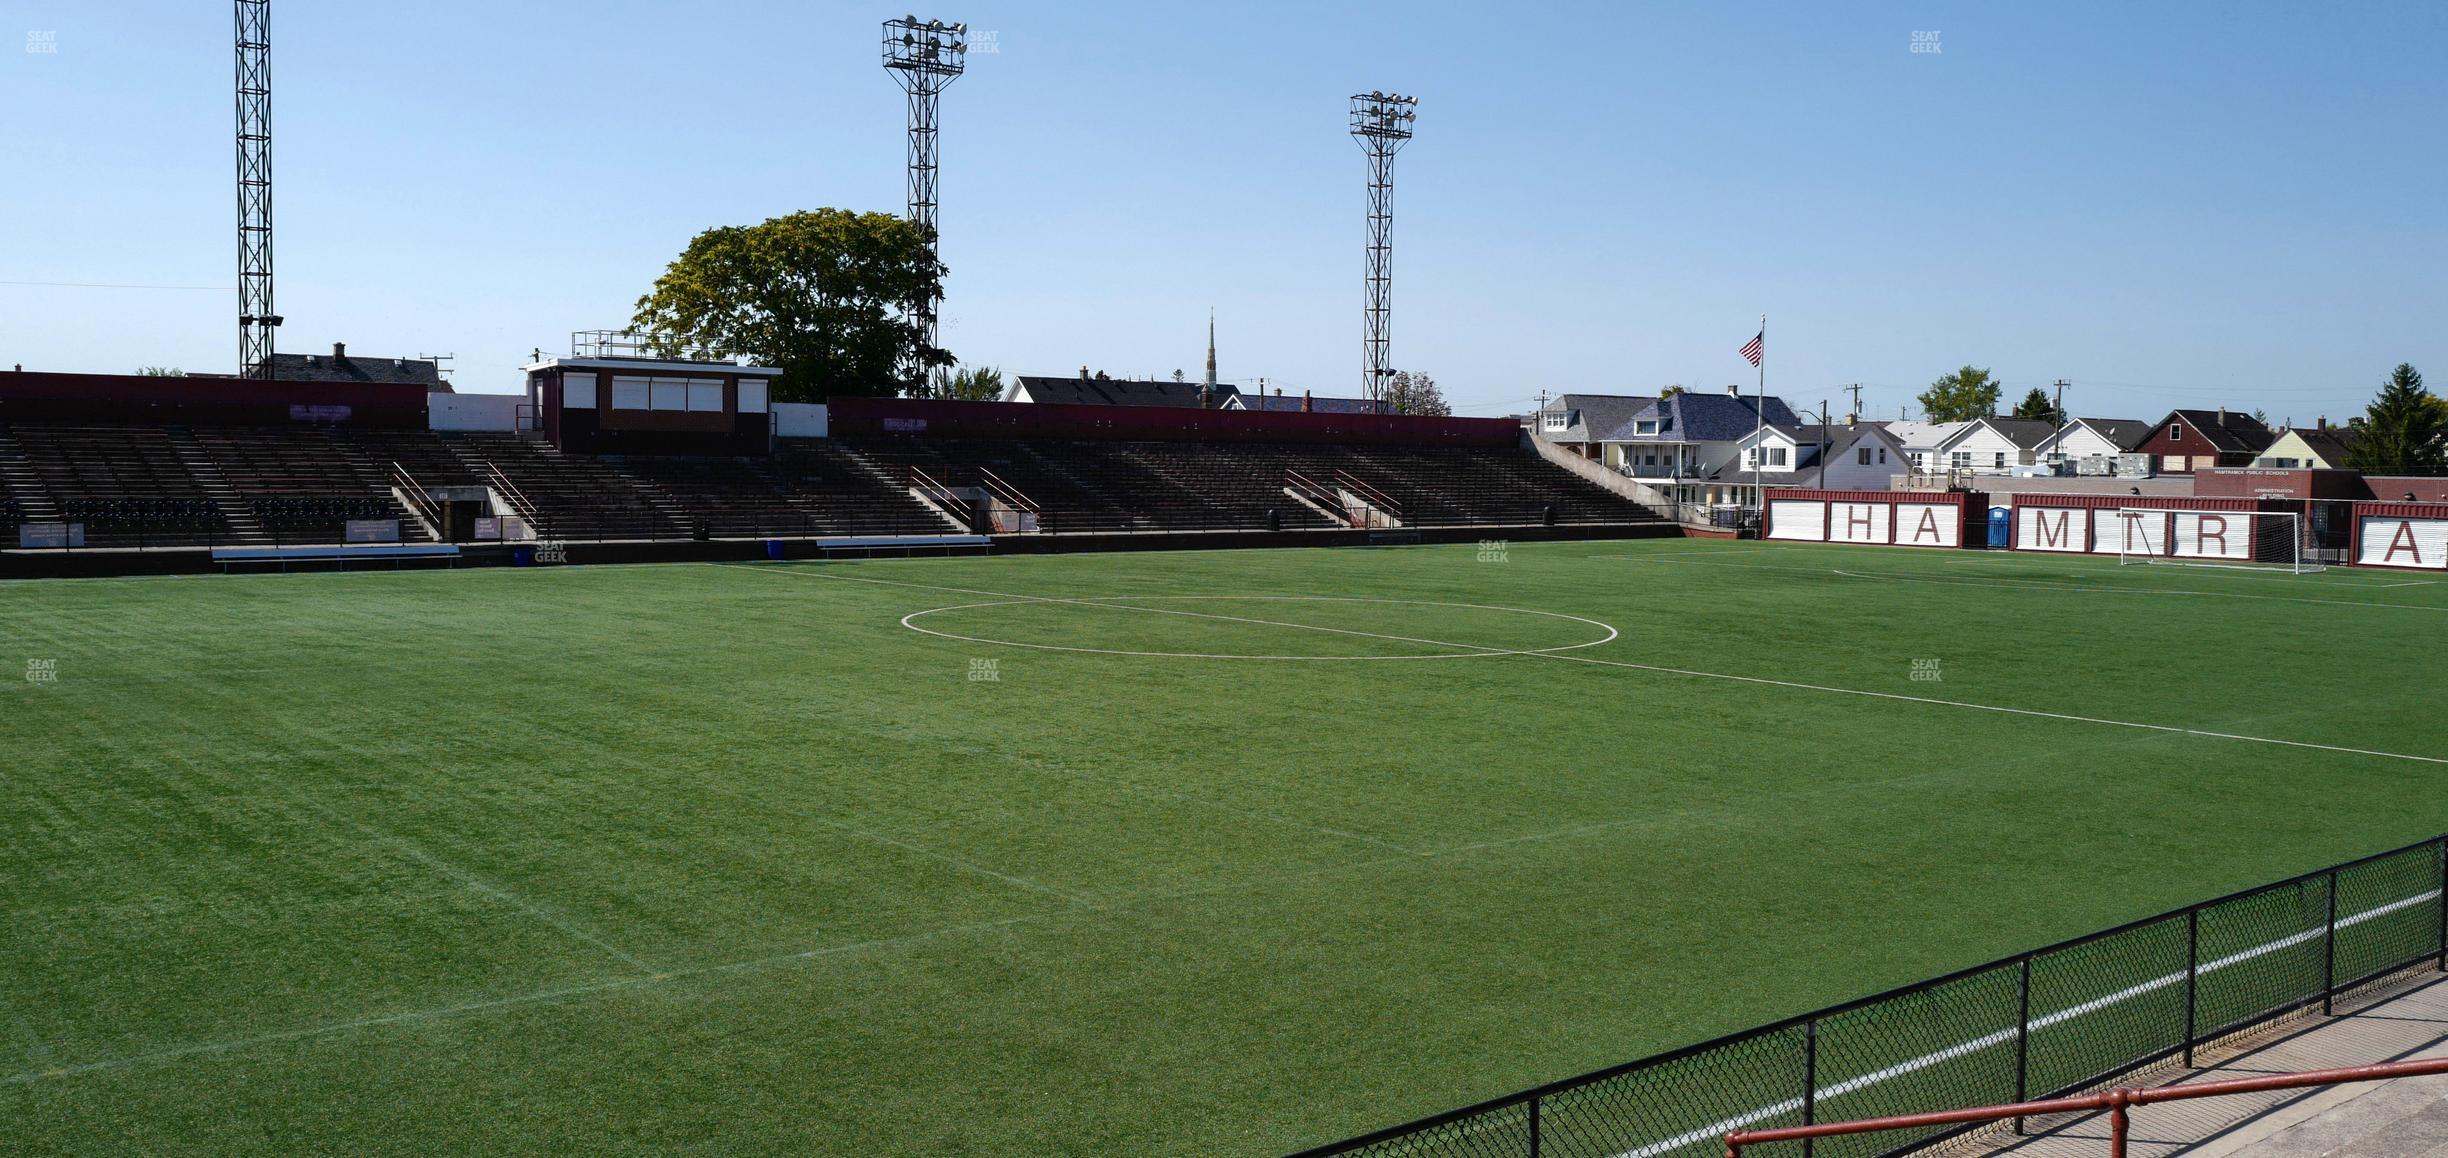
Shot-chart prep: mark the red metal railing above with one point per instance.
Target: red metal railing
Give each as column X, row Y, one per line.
column 2114, row 1101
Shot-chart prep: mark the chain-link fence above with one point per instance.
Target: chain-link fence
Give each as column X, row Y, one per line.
column 2050, row 1022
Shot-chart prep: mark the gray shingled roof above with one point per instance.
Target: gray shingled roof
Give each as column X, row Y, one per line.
column 1705, row 418
column 326, row 368
column 1117, row 391
column 2027, row 433
column 1598, row 414
column 2126, row 433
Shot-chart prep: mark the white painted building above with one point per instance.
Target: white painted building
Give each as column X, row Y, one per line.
column 1921, row 441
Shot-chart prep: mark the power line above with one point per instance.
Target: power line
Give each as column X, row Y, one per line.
column 119, row 285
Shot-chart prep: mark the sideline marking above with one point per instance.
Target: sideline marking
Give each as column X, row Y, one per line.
column 1898, row 697
column 2099, row 589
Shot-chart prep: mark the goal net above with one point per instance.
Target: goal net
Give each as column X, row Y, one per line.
column 2256, row 540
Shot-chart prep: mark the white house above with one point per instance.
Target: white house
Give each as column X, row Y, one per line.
column 2094, row 438
column 1865, row 458
column 1680, row 447
column 1993, row 445
column 1921, row 441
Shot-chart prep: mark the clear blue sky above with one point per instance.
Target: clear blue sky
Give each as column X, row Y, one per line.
column 2168, row 204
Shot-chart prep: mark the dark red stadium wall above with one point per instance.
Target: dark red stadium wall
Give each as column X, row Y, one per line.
column 2260, row 483
column 27, row 396
column 2395, row 488
column 935, row 419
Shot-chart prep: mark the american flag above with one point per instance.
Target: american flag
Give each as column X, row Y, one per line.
column 1751, row 349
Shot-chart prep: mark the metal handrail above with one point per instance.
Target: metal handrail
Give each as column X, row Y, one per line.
column 418, row 499
column 1376, row 498
column 2114, row 1101
column 1011, row 495
column 518, row 499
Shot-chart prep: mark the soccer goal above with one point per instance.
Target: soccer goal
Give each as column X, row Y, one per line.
column 2252, row 540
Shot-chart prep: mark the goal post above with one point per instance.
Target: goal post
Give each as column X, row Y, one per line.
column 2251, row 540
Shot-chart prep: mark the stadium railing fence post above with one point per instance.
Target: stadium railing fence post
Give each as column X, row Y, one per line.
column 1810, row 1080
column 2023, row 1037
column 2443, row 905
column 2329, row 953
column 2192, row 981
column 1534, row 1128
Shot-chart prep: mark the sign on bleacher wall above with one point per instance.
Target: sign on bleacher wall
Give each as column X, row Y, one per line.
column 1877, row 522
column 2388, row 542
column 1800, row 521
column 2052, row 529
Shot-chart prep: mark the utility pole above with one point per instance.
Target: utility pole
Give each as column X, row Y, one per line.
column 2059, row 404
column 1855, row 391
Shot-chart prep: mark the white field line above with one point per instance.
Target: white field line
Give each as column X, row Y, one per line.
column 1717, row 1130
column 2036, row 585
column 1558, row 654
column 541, row 997
column 1475, row 651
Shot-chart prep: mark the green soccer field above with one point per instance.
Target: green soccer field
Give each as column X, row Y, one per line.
column 1200, row 853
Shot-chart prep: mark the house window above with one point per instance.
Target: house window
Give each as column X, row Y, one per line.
column 1920, row 459
column 1645, row 426
column 2176, row 432
column 578, row 391
column 1882, row 456
column 1862, row 456
column 1558, row 420
column 1776, row 456
column 2001, row 460
column 1962, row 460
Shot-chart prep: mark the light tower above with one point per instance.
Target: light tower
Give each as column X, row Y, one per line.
column 257, row 323
column 1381, row 122
column 923, row 58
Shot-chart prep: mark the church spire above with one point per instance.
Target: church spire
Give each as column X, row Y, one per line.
column 1211, row 382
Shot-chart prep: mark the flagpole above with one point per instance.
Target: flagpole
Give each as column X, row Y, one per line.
column 1759, row 492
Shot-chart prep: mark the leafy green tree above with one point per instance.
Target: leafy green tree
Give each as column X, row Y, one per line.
column 974, row 384
column 1961, row 396
column 1411, row 392
column 2038, row 405
column 160, row 372
column 822, row 294
column 2402, row 429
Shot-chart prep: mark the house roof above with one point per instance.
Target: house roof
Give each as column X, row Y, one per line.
column 2126, row 433
column 2331, row 443
column 1318, row 404
column 1924, row 435
column 2225, row 430
column 1691, row 417
column 1599, row 414
column 347, row 368
column 1113, row 391
column 2024, row 433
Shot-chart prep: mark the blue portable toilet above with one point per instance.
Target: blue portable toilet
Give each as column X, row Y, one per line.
column 773, row 549
column 522, row 556
column 2001, row 527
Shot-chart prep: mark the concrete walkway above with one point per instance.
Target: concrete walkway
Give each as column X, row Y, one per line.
column 2404, row 1019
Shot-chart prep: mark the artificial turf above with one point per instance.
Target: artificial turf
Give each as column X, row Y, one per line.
column 733, row 858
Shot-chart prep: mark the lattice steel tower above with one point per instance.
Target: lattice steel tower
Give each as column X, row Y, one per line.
column 1381, row 122
column 923, row 58
column 257, row 323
